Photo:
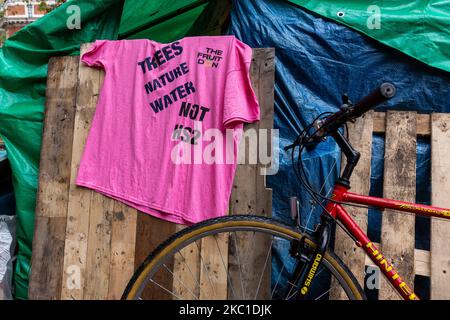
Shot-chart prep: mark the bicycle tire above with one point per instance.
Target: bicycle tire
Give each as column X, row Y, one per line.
column 227, row 224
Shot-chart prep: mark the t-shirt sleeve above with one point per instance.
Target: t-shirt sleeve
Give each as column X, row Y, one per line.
column 240, row 103
column 96, row 55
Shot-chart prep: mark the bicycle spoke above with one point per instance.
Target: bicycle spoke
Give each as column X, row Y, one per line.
column 320, row 191
column 289, row 297
column 278, row 281
column 240, row 269
column 225, row 268
column 264, row 269
column 165, row 289
column 293, row 286
column 204, row 267
column 252, row 275
column 179, row 280
column 190, row 271
column 322, row 294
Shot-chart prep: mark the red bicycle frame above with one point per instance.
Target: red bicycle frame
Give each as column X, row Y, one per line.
column 341, row 194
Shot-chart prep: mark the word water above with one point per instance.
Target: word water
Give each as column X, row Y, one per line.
column 176, row 94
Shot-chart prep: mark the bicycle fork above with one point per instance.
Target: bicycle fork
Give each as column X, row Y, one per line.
column 305, row 272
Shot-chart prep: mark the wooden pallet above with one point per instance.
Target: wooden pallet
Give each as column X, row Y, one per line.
column 87, row 246
column 398, row 229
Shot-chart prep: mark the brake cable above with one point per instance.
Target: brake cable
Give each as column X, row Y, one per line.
column 301, row 175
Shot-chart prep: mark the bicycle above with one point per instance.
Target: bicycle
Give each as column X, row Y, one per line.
column 311, row 260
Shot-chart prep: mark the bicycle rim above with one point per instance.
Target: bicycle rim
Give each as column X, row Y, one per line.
column 227, row 282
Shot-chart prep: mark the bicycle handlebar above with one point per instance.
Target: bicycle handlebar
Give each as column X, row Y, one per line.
column 383, row 93
column 350, row 112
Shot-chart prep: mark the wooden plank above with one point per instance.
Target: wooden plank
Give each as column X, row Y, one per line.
column 77, row 230
column 264, row 81
column 397, row 239
column 98, row 256
column 249, row 256
column 214, row 267
column 54, row 176
column 150, row 233
column 186, row 271
column 123, row 243
column 214, row 251
column 99, row 248
column 421, row 261
column 440, row 183
column 423, row 124
column 360, row 135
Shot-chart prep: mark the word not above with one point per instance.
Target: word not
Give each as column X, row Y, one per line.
column 192, row 111
column 160, row 57
column 179, row 92
column 187, row 134
column 311, row 274
column 211, row 58
column 390, row 271
column 166, row 78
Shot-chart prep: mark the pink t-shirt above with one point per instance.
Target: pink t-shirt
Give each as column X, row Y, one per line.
column 165, row 134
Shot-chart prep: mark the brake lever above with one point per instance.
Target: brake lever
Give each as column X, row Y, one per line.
column 309, row 141
column 287, row 148
column 293, row 145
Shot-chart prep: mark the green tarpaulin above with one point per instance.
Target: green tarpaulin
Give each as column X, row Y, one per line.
column 23, row 72
column 162, row 21
column 418, row 28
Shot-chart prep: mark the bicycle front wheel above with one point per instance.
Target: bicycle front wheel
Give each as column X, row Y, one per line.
column 233, row 258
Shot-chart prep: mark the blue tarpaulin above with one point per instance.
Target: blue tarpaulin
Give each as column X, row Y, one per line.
column 317, row 60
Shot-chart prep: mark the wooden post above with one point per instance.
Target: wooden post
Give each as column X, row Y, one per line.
column 101, row 232
column 150, row 233
column 54, row 177
column 77, row 231
column 360, row 135
column 248, row 256
column 213, row 268
column 397, row 239
column 440, row 229
column 187, row 266
column 123, row 243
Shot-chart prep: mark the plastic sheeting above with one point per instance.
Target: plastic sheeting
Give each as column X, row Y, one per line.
column 7, row 246
column 317, row 60
column 23, row 72
column 7, row 201
column 418, row 28
column 162, row 21
column 7, row 228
